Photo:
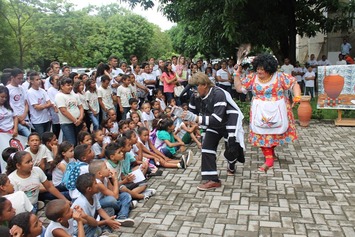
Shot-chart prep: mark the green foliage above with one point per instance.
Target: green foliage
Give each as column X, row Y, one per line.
column 36, row 32
column 217, row 27
column 245, row 108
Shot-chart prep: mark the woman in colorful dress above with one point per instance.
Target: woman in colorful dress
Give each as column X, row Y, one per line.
column 271, row 117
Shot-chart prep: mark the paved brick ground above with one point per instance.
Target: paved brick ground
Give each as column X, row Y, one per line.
column 310, row 192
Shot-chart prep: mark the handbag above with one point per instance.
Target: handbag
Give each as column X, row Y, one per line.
column 269, row 117
column 178, row 90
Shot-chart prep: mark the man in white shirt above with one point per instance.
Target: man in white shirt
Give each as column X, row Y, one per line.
column 298, row 73
column 224, row 77
column 287, row 68
column 345, row 47
column 324, row 61
column 341, row 60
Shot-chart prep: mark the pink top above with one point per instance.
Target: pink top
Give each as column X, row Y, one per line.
column 168, row 87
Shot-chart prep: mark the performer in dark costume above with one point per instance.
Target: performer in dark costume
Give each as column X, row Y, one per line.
column 219, row 116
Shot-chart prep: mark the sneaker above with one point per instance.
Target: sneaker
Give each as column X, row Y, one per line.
column 126, row 222
column 183, row 162
column 148, row 193
column 134, row 204
column 108, row 234
column 188, row 158
column 230, row 169
column 209, row 185
column 40, row 205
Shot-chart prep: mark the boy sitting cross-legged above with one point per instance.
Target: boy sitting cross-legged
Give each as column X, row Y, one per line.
column 109, row 194
column 89, row 202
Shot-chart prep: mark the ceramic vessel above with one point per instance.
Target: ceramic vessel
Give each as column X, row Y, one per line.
column 304, row 111
column 333, row 85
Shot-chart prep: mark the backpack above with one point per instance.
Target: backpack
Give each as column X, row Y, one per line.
column 71, row 174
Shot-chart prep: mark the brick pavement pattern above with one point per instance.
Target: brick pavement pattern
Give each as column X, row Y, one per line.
column 310, row 192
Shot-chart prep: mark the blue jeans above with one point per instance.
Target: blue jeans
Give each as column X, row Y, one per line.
column 70, row 132
column 121, row 206
column 95, row 120
column 92, row 231
column 42, row 127
column 23, row 130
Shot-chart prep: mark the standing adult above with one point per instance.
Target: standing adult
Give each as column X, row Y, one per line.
column 345, row 47
column 219, row 117
column 287, row 68
column 271, row 116
column 18, row 101
column 224, row 77
column 169, row 79
column 298, row 72
column 314, row 64
column 134, row 61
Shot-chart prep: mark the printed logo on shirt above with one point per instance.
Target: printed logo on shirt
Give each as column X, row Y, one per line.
column 17, row 97
column 40, row 100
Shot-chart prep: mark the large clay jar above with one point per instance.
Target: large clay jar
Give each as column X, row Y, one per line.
column 333, row 85
column 305, row 111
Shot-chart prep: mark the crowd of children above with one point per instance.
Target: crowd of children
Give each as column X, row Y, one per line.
column 97, row 173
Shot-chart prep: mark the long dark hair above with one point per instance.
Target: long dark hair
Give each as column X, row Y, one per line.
column 164, row 124
column 3, row 89
column 63, row 147
column 22, row 220
column 166, row 70
column 13, row 161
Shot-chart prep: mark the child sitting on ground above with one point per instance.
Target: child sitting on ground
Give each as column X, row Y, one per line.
column 133, row 102
column 62, row 219
column 115, row 157
column 136, row 119
column 147, row 116
column 28, row 178
column 39, row 152
column 109, row 194
column 99, row 146
column 28, row 225
column 106, row 126
column 59, row 164
column 84, row 154
column 85, row 137
column 50, row 140
column 113, row 118
column 88, row 201
column 186, row 130
column 167, row 142
column 123, row 126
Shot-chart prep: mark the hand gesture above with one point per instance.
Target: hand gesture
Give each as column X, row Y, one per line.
column 112, row 223
column 16, row 231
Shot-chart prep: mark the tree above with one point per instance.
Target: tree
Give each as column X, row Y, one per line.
column 223, row 25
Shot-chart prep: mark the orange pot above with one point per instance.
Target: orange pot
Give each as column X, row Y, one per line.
column 333, row 85
column 304, row 111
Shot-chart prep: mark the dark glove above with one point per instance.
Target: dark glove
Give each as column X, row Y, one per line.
column 235, row 149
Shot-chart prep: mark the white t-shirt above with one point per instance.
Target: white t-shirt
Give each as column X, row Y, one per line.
column 125, row 93
column 56, row 225
column 38, row 97
column 31, row 185
column 69, row 101
column 115, row 73
column 287, row 69
column 149, row 118
column 134, row 90
column 106, row 95
column 224, row 75
column 25, row 85
column 99, row 194
column 82, row 99
column 92, row 101
column 345, row 48
column 298, row 77
column 6, row 119
column 148, row 77
column 89, row 209
column 47, row 84
column 17, row 99
column 20, row 202
column 342, row 62
column 309, row 83
column 98, row 81
column 162, row 103
column 43, row 153
column 313, row 63
column 324, row 63
column 96, row 148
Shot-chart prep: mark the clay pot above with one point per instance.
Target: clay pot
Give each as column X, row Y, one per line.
column 304, row 111
column 333, row 85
